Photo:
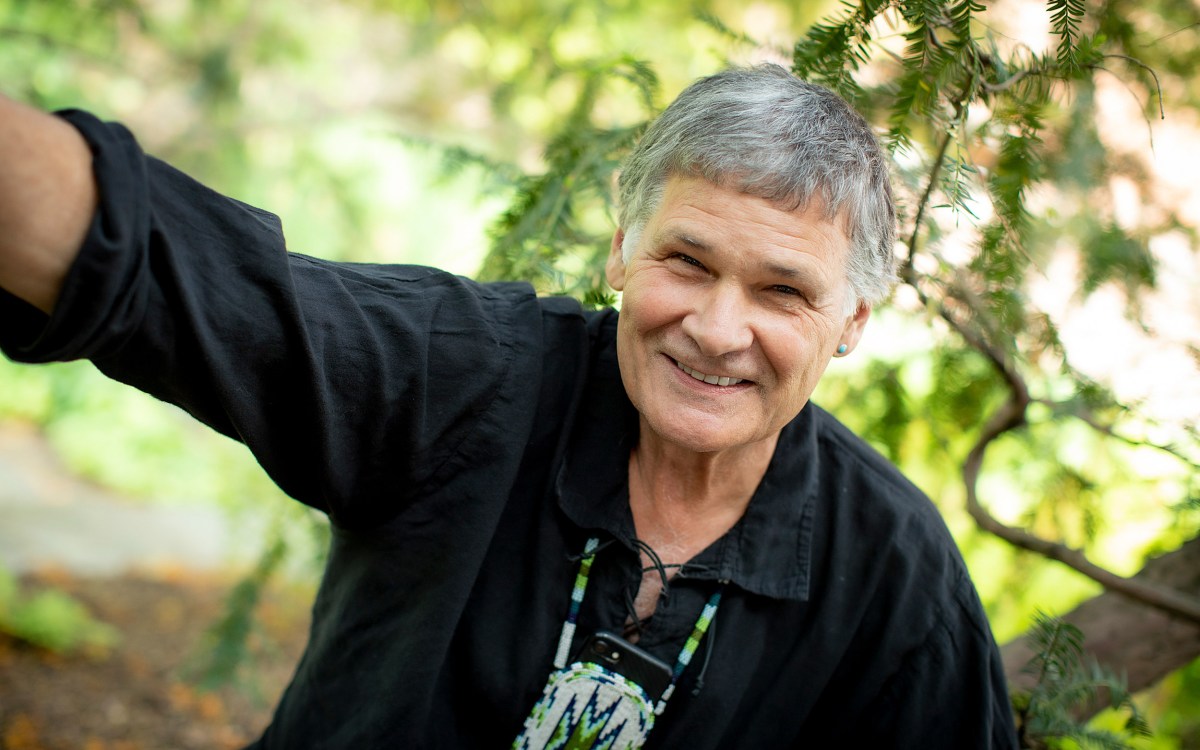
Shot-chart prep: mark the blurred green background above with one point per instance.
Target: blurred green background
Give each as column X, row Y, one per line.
column 403, row 131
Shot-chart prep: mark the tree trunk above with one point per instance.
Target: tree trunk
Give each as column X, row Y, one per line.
column 1127, row 637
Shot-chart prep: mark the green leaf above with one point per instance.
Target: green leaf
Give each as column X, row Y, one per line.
column 1065, row 19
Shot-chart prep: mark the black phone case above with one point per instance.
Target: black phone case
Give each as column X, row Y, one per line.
column 629, row 661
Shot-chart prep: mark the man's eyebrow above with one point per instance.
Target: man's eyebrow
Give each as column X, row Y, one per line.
column 790, row 273
column 683, row 238
column 787, row 272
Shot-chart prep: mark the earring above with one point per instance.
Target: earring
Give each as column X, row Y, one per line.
column 842, row 349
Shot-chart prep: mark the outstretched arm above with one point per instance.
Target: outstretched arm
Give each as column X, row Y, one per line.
column 356, row 386
column 47, row 200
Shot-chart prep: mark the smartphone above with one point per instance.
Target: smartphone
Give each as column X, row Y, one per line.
column 629, row 661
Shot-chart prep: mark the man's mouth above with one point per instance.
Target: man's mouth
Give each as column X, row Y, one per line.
column 710, row 379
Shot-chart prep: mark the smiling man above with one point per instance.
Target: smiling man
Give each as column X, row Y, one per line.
column 552, row 527
column 746, row 299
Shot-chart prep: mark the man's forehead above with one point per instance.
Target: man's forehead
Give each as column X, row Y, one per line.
column 813, row 205
column 705, row 216
column 786, row 195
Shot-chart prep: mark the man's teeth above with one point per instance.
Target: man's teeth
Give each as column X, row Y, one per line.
column 711, row 379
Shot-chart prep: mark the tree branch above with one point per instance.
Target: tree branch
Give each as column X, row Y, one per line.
column 1087, row 417
column 908, row 274
column 1012, row 414
column 995, row 88
column 1129, row 638
column 1162, row 113
column 1009, row 417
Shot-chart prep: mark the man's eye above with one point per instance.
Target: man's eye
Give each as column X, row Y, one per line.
column 784, row 289
column 689, row 260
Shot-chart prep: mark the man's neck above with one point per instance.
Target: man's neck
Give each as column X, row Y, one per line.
column 686, row 500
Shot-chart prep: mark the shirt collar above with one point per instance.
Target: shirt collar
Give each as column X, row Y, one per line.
column 767, row 552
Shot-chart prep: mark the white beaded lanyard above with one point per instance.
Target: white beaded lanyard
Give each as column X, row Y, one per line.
column 685, row 655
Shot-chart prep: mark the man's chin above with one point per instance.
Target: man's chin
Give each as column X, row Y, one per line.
column 707, row 435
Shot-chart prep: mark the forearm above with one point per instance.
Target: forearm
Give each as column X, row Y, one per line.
column 47, row 200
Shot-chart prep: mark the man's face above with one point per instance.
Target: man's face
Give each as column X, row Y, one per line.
column 731, row 310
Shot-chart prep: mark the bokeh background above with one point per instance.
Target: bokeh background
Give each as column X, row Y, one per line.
column 480, row 137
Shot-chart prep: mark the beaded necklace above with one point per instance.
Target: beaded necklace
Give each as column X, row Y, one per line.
column 585, row 705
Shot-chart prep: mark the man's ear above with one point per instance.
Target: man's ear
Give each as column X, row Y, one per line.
column 853, row 330
column 614, row 267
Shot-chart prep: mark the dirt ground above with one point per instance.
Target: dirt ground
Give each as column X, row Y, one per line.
column 137, row 696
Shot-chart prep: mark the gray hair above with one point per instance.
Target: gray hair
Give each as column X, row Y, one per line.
column 764, row 132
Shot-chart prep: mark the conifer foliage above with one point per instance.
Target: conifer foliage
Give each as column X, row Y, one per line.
column 1006, row 171
column 1065, row 680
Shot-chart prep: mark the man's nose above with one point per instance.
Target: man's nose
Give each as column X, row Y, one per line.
column 719, row 322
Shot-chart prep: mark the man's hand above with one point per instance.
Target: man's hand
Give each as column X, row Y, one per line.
column 47, row 200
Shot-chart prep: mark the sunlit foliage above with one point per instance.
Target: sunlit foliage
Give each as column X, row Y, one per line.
column 1049, row 216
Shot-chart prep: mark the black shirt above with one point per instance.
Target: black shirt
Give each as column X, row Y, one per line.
column 466, row 440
